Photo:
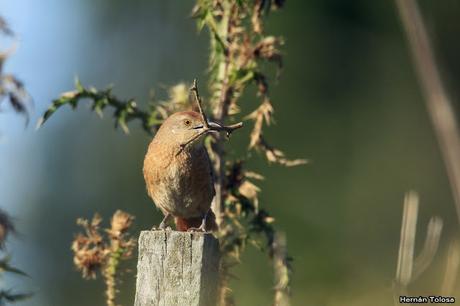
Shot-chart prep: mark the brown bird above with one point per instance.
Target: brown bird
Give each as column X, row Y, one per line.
column 178, row 174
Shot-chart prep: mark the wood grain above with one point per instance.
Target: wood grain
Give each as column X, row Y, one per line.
column 177, row 268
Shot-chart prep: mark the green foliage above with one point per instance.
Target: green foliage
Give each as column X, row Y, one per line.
column 124, row 111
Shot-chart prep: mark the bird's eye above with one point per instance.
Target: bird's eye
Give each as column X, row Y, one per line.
column 187, row 122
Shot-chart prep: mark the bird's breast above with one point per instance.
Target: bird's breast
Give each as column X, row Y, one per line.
column 180, row 184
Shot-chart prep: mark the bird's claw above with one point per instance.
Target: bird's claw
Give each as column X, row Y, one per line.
column 201, row 229
column 161, row 228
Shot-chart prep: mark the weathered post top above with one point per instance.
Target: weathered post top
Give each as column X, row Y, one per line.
column 177, row 268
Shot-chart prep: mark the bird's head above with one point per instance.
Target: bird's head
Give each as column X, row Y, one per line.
column 186, row 128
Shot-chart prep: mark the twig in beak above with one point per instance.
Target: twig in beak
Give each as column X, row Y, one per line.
column 183, row 145
column 228, row 129
column 207, row 126
column 194, row 89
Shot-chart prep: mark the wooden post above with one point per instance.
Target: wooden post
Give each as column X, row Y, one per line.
column 177, row 268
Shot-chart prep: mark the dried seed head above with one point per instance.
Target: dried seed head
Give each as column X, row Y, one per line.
column 121, row 221
column 89, row 261
column 89, row 250
column 93, row 252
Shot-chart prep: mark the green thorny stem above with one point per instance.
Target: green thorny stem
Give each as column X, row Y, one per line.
column 124, row 111
column 238, row 47
column 110, row 272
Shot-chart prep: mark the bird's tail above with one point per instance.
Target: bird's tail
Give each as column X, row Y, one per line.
column 183, row 224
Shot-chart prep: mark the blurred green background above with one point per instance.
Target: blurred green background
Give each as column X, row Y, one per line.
column 348, row 100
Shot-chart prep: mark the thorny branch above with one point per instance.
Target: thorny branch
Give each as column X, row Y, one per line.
column 228, row 129
column 209, row 127
column 124, row 111
column 194, row 89
column 238, row 46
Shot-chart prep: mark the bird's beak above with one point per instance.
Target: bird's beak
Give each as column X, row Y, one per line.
column 228, row 129
column 212, row 127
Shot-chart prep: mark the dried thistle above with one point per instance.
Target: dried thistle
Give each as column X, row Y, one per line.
column 262, row 113
column 238, row 47
column 11, row 88
column 89, row 250
column 120, row 223
column 277, row 156
column 94, row 252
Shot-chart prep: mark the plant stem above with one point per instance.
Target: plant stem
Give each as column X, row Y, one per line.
column 110, row 272
column 438, row 103
column 220, row 113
